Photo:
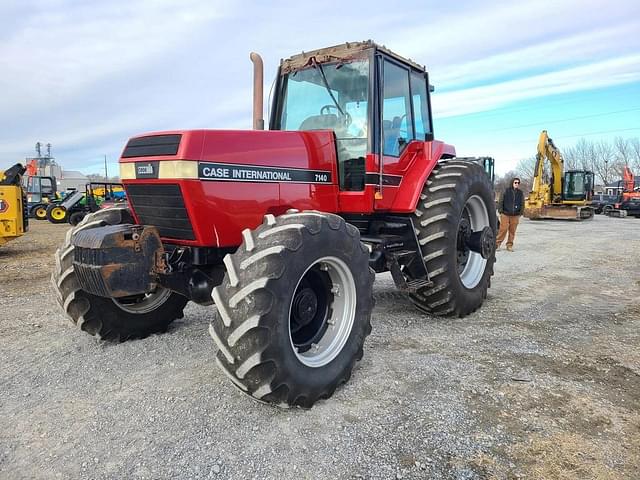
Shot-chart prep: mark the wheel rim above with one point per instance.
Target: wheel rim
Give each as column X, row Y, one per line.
column 471, row 265
column 140, row 304
column 57, row 213
column 41, row 213
column 322, row 312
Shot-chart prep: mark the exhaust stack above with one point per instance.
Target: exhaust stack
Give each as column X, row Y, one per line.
column 258, row 82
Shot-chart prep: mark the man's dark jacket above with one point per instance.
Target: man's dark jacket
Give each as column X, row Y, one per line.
column 512, row 202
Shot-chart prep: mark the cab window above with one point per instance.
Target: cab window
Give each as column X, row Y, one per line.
column 46, row 186
column 397, row 122
column 420, row 110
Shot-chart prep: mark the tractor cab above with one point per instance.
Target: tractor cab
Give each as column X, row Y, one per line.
column 39, row 189
column 373, row 99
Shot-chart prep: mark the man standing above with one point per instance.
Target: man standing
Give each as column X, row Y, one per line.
column 510, row 210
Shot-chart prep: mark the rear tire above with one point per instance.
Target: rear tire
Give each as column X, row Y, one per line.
column 39, row 212
column 294, row 308
column 107, row 318
column 455, row 191
column 57, row 214
column 76, row 217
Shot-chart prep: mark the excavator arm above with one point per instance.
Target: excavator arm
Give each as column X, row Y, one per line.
column 629, row 191
column 628, row 181
column 543, row 191
column 557, row 167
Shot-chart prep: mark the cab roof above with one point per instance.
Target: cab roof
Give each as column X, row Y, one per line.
column 345, row 51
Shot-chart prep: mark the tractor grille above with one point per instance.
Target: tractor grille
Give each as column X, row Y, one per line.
column 163, row 207
column 152, row 145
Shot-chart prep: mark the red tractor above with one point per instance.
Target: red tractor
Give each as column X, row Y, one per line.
column 284, row 229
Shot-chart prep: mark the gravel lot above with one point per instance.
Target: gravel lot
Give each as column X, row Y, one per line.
column 542, row 382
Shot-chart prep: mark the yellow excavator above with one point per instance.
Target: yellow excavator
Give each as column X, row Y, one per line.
column 14, row 219
column 557, row 194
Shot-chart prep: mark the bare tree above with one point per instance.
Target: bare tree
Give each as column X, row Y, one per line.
column 606, row 160
column 634, row 147
column 525, row 169
column 604, row 164
column 503, row 182
column 622, row 150
column 589, row 156
column 584, row 153
column 571, row 158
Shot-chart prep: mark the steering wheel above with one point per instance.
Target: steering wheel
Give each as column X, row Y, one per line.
column 326, row 109
column 400, row 118
column 345, row 118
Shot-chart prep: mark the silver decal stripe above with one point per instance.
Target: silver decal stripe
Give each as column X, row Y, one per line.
column 253, row 173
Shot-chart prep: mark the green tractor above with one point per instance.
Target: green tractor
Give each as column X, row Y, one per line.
column 78, row 205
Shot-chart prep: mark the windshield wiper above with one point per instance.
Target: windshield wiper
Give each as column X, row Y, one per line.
column 326, row 84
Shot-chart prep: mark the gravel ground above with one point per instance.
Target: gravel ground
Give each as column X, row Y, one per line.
column 542, row 382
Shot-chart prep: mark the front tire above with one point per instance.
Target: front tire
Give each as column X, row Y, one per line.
column 294, row 308
column 39, row 212
column 76, row 217
column 109, row 318
column 457, row 195
column 57, row 214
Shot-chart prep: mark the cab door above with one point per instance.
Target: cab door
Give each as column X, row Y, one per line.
column 404, row 125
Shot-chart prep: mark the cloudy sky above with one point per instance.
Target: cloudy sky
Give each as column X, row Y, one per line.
column 85, row 76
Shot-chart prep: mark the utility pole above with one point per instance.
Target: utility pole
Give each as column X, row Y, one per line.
column 106, row 174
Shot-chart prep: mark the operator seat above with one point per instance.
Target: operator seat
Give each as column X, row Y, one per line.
column 391, row 130
column 320, row 122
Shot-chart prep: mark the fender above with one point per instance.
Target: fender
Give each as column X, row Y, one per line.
column 416, row 175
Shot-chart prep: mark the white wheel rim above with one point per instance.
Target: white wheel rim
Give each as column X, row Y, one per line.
column 473, row 271
column 339, row 320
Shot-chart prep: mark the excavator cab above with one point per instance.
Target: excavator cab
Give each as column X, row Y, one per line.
column 577, row 186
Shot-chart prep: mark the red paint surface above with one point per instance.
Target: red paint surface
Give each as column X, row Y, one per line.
column 220, row 210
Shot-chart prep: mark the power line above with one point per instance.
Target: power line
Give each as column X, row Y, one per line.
column 561, row 120
column 599, row 133
column 583, row 134
column 501, row 111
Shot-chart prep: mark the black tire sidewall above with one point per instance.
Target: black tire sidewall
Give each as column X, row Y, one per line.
column 314, row 247
column 445, row 195
column 74, row 216
column 469, row 297
column 36, row 208
column 50, row 210
column 125, row 325
column 101, row 316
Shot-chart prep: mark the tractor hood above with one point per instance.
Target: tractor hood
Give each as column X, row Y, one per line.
column 220, row 155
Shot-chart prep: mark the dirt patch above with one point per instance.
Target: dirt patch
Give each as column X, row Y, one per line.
column 565, row 456
column 541, row 383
